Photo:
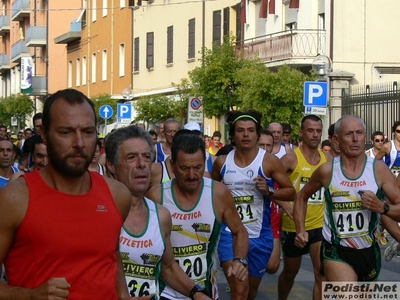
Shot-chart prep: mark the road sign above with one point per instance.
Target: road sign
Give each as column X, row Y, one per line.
column 195, row 110
column 315, row 93
column 315, row 110
column 106, row 112
column 124, row 112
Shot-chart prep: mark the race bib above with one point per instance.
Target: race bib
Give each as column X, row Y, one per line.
column 246, row 209
column 192, row 260
column 395, row 170
column 317, row 197
column 351, row 219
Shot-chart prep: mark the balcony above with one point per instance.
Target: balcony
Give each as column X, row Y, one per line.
column 4, row 24
column 18, row 50
column 39, row 86
column 73, row 35
column 20, row 10
column 293, row 47
column 4, row 62
column 36, row 36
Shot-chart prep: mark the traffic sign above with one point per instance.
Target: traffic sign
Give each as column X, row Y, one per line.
column 124, row 112
column 106, row 112
column 315, row 110
column 195, row 110
column 315, row 93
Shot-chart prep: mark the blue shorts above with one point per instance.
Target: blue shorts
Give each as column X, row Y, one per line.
column 260, row 250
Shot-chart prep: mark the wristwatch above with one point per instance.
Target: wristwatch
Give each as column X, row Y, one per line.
column 197, row 289
column 243, row 261
column 386, row 208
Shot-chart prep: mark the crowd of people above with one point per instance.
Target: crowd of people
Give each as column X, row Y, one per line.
column 154, row 214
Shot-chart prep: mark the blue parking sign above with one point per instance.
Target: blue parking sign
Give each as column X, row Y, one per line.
column 124, row 111
column 315, row 93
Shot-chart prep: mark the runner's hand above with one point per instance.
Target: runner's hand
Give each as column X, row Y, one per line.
column 301, row 239
column 237, row 270
column 55, row 288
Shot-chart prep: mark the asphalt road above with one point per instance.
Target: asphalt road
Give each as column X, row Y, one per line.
column 304, row 282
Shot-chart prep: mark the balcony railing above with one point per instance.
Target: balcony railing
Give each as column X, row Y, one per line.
column 4, row 24
column 73, row 35
column 20, row 9
column 18, row 50
column 36, row 36
column 4, row 61
column 284, row 45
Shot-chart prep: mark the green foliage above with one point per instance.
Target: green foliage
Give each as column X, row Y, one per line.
column 19, row 106
column 105, row 99
column 152, row 109
column 215, row 80
column 277, row 95
column 184, row 90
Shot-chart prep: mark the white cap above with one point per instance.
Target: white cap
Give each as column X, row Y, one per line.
column 192, row 126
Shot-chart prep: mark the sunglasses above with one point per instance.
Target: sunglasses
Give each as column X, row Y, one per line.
column 380, row 141
column 397, row 130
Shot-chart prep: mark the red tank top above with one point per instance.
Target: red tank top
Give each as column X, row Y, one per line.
column 71, row 236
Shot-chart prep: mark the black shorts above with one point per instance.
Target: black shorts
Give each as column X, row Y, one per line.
column 365, row 262
column 290, row 250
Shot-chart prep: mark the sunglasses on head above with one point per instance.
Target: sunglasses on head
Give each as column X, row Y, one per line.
column 379, row 140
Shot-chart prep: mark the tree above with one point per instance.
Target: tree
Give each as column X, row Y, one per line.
column 215, row 79
column 19, row 106
column 152, row 109
column 104, row 99
column 184, row 90
column 277, row 95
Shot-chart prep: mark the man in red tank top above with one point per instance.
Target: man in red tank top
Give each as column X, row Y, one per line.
column 59, row 227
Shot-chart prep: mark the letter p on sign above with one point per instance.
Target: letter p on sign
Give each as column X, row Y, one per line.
column 315, row 93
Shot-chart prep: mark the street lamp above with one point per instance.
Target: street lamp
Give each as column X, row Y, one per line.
column 127, row 94
column 322, row 65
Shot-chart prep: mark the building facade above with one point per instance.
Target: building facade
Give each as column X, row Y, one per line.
column 26, row 47
column 148, row 45
column 356, row 35
column 98, row 48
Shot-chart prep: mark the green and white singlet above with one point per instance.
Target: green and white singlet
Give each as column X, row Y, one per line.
column 141, row 255
column 346, row 222
column 194, row 237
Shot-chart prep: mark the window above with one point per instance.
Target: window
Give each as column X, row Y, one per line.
column 78, row 72
column 321, row 21
column 84, row 70
column 94, row 10
column 136, row 57
column 170, row 44
column 291, row 26
column 192, row 50
column 217, row 27
column 226, row 27
column 94, row 67
column 121, row 3
column 70, row 74
column 104, row 66
column 238, row 23
column 150, row 50
column 121, row 60
column 105, row 8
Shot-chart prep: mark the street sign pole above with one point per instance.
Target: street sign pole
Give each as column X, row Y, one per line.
column 106, row 112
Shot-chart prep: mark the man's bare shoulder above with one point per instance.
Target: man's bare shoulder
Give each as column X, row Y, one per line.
column 164, row 214
column 220, row 191
column 220, row 160
column 116, row 186
column 154, row 193
column 14, row 199
column 121, row 195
